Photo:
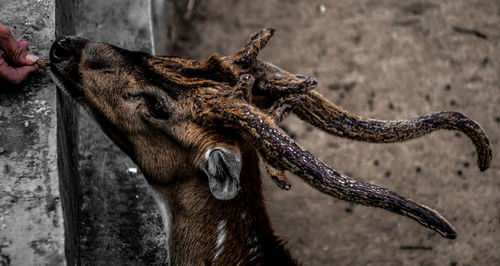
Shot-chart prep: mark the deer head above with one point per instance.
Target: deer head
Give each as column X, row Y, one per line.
column 174, row 115
column 137, row 102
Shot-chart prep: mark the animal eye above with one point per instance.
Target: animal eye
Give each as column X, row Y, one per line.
column 158, row 107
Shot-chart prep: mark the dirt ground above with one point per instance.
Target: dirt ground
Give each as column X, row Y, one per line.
column 385, row 60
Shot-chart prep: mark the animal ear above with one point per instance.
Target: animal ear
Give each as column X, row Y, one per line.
column 223, row 167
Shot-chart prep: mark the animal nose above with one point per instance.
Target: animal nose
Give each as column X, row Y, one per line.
column 61, row 50
column 64, row 48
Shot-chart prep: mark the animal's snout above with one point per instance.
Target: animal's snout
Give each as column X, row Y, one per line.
column 61, row 50
column 65, row 48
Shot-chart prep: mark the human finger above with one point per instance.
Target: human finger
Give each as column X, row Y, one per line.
column 13, row 49
column 23, row 44
column 15, row 75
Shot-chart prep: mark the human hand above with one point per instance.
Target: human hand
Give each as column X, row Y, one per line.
column 16, row 63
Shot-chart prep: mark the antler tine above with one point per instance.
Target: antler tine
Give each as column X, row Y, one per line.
column 278, row 176
column 318, row 111
column 257, row 41
column 277, row 149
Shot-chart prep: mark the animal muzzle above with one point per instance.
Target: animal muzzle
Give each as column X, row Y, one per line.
column 66, row 48
column 65, row 55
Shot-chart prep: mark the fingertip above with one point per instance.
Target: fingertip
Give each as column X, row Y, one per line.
column 33, row 67
column 26, row 70
column 27, row 59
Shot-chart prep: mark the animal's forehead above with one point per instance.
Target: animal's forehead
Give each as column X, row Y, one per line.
column 177, row 77
column 146, row 70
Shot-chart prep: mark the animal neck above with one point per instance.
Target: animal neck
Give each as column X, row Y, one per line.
column 204, row 230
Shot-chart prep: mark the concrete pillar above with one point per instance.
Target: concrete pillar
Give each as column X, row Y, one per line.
column 67, row 143
column 31, row 215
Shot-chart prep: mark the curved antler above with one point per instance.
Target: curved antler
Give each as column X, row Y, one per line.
column 278, row 150
column 284, row 92
column 318, row 111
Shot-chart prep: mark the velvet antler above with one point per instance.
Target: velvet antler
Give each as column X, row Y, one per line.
column 280, row 92
column 282, row 153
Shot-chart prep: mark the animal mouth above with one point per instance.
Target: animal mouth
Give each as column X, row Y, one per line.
column 64, row 57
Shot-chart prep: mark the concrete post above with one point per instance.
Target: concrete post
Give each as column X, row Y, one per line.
column 31, row 216
column 67, row 143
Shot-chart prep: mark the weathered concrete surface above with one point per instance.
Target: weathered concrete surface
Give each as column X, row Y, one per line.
column 31, row 220
column 119, row 221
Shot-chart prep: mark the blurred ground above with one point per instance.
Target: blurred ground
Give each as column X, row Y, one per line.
column 381, row 59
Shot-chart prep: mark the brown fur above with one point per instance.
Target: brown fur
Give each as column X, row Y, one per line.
column 167, row 112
